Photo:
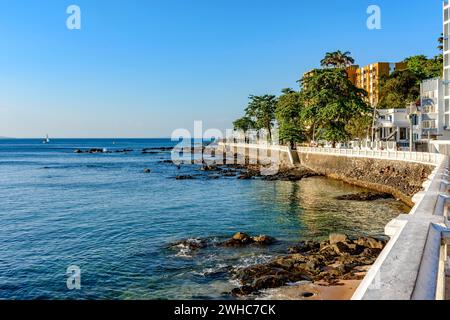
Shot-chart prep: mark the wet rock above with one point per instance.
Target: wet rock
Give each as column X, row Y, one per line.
column 147, row 170
column 336, row 237
column 328, row 262
column 210, row 168
column 242, row 291
column 371, row 243
column 365, row 196
column 245, row 176
column 191, row 244
column 158, row 149
column 184, row 177
column 263, row 240
column 292, row 175
column 229, row 174
column 242, row 239
column 305, row 246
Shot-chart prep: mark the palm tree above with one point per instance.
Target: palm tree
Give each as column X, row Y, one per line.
column 337, row 59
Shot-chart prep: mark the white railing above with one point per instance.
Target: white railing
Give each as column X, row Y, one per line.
column 420, row 157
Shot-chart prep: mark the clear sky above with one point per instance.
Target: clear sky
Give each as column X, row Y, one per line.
column 142, row 68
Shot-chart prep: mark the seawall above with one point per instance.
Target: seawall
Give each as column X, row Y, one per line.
column 399, row 178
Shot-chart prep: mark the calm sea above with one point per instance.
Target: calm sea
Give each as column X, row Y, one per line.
column 101, row 212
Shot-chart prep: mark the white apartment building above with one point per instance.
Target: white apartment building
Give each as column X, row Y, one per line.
column 446, row 63
column 434, row 112
column 393, row 125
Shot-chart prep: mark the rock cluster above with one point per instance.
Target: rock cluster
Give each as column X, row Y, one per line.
column 98, row 150
column 328, row 261
column 365, row 196
column 243, row 239
column 184, row 177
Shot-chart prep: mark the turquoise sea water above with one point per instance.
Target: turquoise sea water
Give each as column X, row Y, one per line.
column 102, row 213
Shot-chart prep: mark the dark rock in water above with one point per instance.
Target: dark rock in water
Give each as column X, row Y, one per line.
column 166, row 161
column 263, row 240
column 123, row 151
column 191, row 244
column 210, row 168
column 145, row 150
column 292, row 175
column 229, row 174
column 93, row 150
column 147, row 170
column 242, row 239
column 184, row 177
column 245, row 176
column 242, row 291
column 336, row 237
column 365, row 196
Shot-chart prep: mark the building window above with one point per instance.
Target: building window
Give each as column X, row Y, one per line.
column 447, row 120
column 403, row 133
column 447, row 105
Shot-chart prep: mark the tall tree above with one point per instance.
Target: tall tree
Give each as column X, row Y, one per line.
column 423, row 67
column 288, row 116
column 244, row 124
column 337, row 59
column 261, row 110
column 360, row 125
column 332, row 100
column 399, row 90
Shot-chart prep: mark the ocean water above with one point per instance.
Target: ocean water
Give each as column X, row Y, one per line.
column 101, row 212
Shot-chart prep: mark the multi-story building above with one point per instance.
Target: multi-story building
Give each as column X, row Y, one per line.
column 434, row 113
column 446, row 62
column 369, row 77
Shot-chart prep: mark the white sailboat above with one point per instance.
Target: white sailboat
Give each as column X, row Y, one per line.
column 46, row 140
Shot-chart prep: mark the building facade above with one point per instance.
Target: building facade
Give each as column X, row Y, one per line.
column 369, row 77
column 393, row 125
column 446, row 33
column 434, row 113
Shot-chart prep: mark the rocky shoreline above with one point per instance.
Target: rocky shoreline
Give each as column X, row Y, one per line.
column 329, row 263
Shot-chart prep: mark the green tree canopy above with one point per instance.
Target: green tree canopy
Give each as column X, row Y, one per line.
column 331, row 100
column 423, row 67
column 288, row 116
column 261, row 110
column 244, row 124
column 399, row 90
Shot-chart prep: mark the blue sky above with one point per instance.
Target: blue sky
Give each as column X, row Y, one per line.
column 142, row 68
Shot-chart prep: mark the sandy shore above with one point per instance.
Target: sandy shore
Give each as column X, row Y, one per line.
column 305, row 290
column 315, row 291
